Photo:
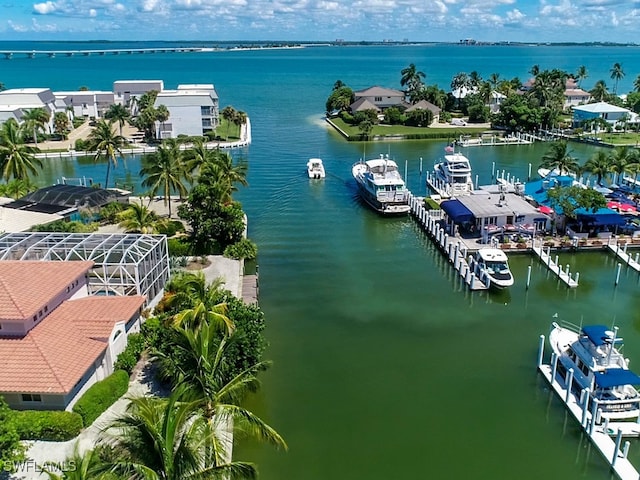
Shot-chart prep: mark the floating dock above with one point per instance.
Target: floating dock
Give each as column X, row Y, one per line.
column 554, row 266
column 600, row 435
column 455, row 250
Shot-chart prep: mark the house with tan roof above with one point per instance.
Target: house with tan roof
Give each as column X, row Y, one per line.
column 381, row 98
column 55, row 339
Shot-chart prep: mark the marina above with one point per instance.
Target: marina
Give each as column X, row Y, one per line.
column 340, row 284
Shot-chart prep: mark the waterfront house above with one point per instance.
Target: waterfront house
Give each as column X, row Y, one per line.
column 193, row 110
column 424, row 105
column 55, row 339
column 574, row 97
column 611, row 114
column 381, row 98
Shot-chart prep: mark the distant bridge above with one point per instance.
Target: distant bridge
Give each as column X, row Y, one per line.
column 70, row 53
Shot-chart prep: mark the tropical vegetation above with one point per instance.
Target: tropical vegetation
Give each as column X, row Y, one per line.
column 107, row 145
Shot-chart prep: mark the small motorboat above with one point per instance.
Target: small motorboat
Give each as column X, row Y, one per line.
column 315, row 168
column 492, row 265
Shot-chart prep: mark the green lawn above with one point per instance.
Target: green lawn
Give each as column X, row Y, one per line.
column 410, row 132
column 629, row 138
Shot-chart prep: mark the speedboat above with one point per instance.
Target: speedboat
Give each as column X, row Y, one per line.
column 381, row 186
column 594, row 355
column 315, row 168
column 492, row 265
column 453, row 175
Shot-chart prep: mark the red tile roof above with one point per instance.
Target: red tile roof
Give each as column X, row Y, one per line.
column 25, row 286
column 56, row 353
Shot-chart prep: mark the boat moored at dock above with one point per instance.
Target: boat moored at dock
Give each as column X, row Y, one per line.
column 452, row 176
column 493, row 264
column 381, row 186
column 590, row 358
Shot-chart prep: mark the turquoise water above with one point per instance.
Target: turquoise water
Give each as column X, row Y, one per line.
column 384, row 365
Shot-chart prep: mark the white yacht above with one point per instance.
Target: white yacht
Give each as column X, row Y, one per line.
column 492, row 265
column 452, row 176
column 315, row 168
column 381, row 186
column 594, row 355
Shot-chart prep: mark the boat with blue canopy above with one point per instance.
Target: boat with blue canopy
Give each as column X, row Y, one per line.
column 590, row 357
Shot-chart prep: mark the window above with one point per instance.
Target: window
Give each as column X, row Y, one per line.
column 46, row 309
column 31, row 397
column 205, row 110
column 40, row 313
column 35, row 318
column 378, row 99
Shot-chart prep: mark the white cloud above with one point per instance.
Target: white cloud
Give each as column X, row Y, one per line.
column 44, row 8
column 16, row 27
column 93, row 12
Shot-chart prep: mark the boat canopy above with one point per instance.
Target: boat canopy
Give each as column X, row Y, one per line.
column 457, row 211
column 602, row 217
column 599, row 334
column 616, row 377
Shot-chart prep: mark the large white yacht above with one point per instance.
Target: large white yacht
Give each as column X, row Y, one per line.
column 452, row 176
column 593, row 354
column 381, row 186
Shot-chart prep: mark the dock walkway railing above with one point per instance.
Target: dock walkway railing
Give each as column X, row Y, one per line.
column 455, row 250
column 553, row 265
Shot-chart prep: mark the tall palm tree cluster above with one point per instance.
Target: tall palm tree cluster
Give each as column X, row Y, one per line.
column 189, row 434
column 602, row 165
column 233, row 117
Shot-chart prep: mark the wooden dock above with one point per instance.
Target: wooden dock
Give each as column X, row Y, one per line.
column 494, row 140
column 553, row 266
column 250, row 289
column 600, row 435
column 621, row 253
column 455, row 250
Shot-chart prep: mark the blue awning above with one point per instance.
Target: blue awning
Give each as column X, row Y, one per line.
column 598, row 334
column 602, row 217
column 456, row 211
column 616, row 377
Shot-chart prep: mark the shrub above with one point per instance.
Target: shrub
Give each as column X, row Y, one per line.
column 170, row 228
column 129, row 357
column 101, row 396
column 431, row 204
column 81, row 145
column 178, row 247
column 245, row 248
column 53, row 426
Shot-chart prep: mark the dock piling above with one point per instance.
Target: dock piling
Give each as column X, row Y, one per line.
column 618, row 273
column 616, row 449
column 528, row 276
column 540, row 350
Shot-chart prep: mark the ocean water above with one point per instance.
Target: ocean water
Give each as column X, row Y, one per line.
column 384, row 365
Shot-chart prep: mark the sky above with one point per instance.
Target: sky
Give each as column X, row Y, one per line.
column 322, row 20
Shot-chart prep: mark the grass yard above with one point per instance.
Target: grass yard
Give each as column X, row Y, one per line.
column 446, row 133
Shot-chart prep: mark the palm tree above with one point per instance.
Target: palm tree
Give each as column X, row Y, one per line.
column 162, row 115
column 494, row 79
column 17, row 188
column 17, row 159
column 228, row 113
column 118, row 113
column 165, row 171
column 534, row 70
column 581, row 74
column 220, row 170
column 412, row 78
column 107, row 144
column 35, row 120
column 636, row 84
column 558, row 157
column 599, row 91
column 599, row 165
column 475, row 79
column 616, row 74
column 61, row 124
column 185, row 290
column 86, row 466
column 171, row 440
column 620, row 159
column 138, row 218
column 239, row 119
column 204, row 376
